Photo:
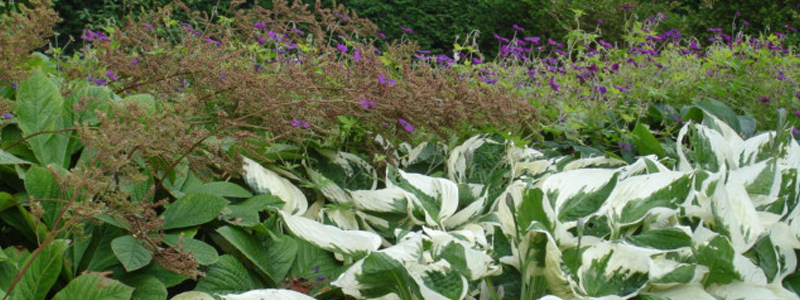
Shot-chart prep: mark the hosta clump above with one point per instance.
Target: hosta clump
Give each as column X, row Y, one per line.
column 723, row 224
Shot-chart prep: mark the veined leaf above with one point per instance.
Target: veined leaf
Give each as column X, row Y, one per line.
column 614, row 269
column 265, row 181
column 573, row 199
column 193, row 210
column 42, row 273
column 130, row 253
column 41, row 108
column 434, row 199
column 635, row 197
column 90, row 286
column 228, row 275
column 350, row 243
column 222, row 189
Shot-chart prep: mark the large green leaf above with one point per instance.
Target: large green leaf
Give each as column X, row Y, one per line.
column 42, row 274
column 41, row 184
column 131, row 253
column 95, row 287
column 146, row 287
column 253, row 249
column 205, row 254
column 193, row 209
column 9, row 159
column 645, row 142
column 246, row 213
column 41, row 108
column 227, row 276
column 222, row 189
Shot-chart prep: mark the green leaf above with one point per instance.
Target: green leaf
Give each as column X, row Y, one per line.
column 253, row 249
column 42, row 274
column 663, row 239
column 41, row 108
column 227, row 276
column 645, row 142
column 95, row 287
column 721, row 111
column 132, row 254
column 9, row 159
column 222, row 189
column 41, row 184
column 146, row 287
column 245, row 213
column 193, row 209
column 312, row 262
column 205, row 254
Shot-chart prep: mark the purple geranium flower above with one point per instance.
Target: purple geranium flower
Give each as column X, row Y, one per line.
column 553, row 85
column 298, row 123
column 795, row 131
column 628, row 7
column 367, row 104
column 476, row 61
column 380, row 34
column 625, row 146
column 601, row 89
column 516, row 27
column 605, row 44
column 599, row 21
column 500, row 38
column 745, row 23
column 212, row 41
column 111, row 75
column 621, row 89
column 532, row 39
column 781, row 76
column 262, row 40
column 764, row 99
column 149, row 27
column 342, row 47
column 357, row 55
column 7, row 115
column 406, row 125
column 407, row 30
column 790, row 28
column 259, row 25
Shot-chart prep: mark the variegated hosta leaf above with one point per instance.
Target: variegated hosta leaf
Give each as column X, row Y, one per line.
column 682, row 292
column 271, row 294
column 611, row 269
column 464, row 257
column 708, row 149
column 594, row 162
column 337, row 172
column 352, row 243
column 744, row 290
column 579, row 193
column 724, row 264
column 735, row 215
column 461, row 157
column 265, row 181
column 642, row 166
column 432, row 200
column 637, row 196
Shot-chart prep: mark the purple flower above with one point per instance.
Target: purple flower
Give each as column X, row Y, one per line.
column 553, row 85
column 621, row 89
column 500, row 38
column 488, row 80
column 599, row 21
column 516, row 27
column 367, row 104
column 406, row 126
column 320, row 278
column 14, row 86
column 628, row 7
column 694, row 46
column 615, row 67
column 342, row 47
column 795, row 131
column 357, row 55
column 532, row 39
column 298, row 123
column 135, row 61
column 684, row 51
column 149, row 27
column 763, row 99
column 780, row 35
column 223, row 77
column 476, row 61
column 790, row 28
column 715, row 29
column 380, row 34
column 259, row 25
column 781, row 76
column 797, row 113
column 262, row 40
column 737, row 14
column 561, row 52
column 382, row 80
column 7, row 115
column 407, row 30
column 605, row 44
column 424, row 51
column 625, row 146
column 316, row 269
column 600, row 89
column 100, row 81
column 111, row 75
column 212, row 41
column 91, row 36
column 298, row 31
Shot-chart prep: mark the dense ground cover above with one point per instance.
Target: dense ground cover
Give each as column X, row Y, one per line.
column 301, row 151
